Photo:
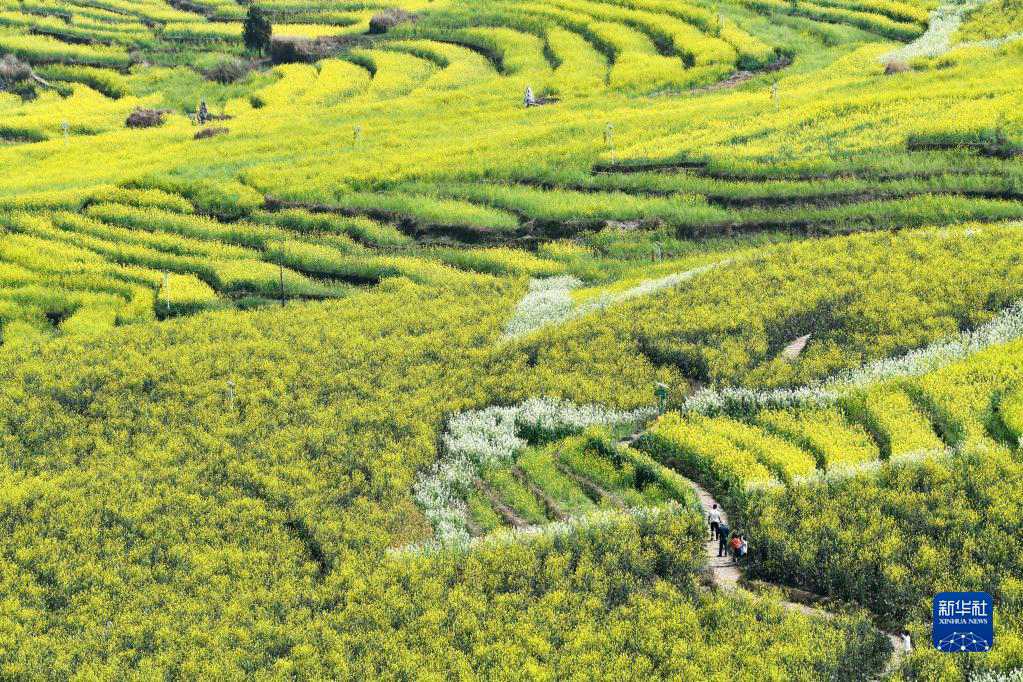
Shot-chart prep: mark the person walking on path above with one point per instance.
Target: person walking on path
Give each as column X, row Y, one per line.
column 723, row 531
column 714, row 519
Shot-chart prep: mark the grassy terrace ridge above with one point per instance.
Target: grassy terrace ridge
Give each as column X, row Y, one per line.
column 332, row 383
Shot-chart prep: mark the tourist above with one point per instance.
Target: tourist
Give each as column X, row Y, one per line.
column 714, row 519
column 735, row 544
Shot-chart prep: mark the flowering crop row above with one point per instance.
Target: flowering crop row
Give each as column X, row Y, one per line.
column 892, row 537
column 221, row 495
column 494, row 437
column 832, row 289
column 529, row 600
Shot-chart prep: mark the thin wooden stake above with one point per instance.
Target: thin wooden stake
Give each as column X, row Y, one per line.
column 280, row 262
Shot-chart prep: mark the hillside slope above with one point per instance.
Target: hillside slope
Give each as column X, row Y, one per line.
column 329, row 386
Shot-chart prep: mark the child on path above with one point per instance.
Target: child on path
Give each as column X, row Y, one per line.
column 735, row 545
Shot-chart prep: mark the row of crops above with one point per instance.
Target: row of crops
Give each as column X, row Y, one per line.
column 882, row 499
column 153, row 248
column 522, row 51
column 193, row 409
column 167, row 247
column 729, row 325
column 230, row 365
column 993, row 21
column 188, row 430
column 904, row 463
column 152, row 23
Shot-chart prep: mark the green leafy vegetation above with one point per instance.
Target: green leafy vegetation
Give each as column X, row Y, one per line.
column 348, row 366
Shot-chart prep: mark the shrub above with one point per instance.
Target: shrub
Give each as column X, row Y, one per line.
column 145, row 118
column 207, row 133
column 15, row 78
column 895, row 67
column 228, row 71
column 290, row 49
column 384, row 21
column 13, row 70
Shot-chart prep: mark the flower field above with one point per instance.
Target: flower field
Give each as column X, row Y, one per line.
column 329, row 358
column 942, row 466
column 992, row 21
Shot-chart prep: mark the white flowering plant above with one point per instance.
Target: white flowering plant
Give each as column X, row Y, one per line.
column 492, row 437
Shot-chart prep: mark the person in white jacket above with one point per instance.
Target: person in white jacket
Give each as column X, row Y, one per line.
column 714, row 519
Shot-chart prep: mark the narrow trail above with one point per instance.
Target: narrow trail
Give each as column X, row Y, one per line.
column 724, row 572
column 728, row 576
column 733, row 81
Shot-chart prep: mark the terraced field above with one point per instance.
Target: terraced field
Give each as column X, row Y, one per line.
column 394, row 348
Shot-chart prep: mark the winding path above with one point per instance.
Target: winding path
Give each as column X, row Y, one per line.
column 724, row 572
column 726, row 575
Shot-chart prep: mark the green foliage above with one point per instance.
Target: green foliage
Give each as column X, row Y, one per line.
column 108, row 82
column 541, row 465
column 1010, row 409
column 226, row 363
column 887, row 535
column 823, row 432
column 694, row 447
column 843, row 293
column 257, row 30
column 617, row 599
column 892, row 539
column 517, row 496
column 992, row 20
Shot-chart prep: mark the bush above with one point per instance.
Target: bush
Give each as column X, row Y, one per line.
column 207, row 133
column 895, row 67
column 145, row 118
column 13, row 70
column 228, row 71
column 15, row 77
column 291, row 50
column 383, row 22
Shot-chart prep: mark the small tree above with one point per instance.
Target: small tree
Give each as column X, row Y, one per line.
column 258, row 30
